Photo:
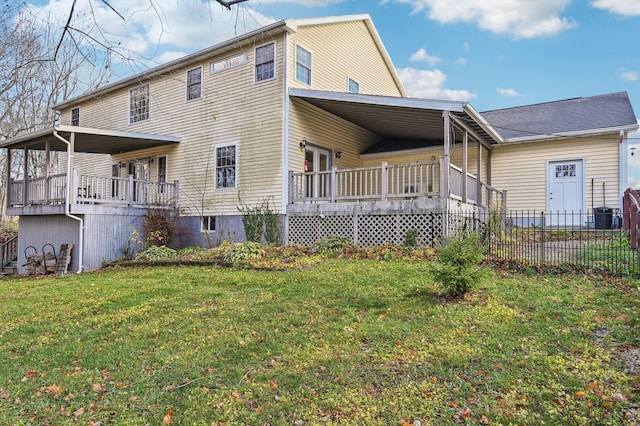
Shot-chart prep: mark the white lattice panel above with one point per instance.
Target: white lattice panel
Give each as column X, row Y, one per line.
column 371, row 230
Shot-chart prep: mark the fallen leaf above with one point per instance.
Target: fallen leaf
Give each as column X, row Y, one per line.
column 236, row 394
column 97, row 387
column 170, row 388
column 484, row 420
column 168, row 417
column 273, row 384
column 618, row 397
column 78, row 412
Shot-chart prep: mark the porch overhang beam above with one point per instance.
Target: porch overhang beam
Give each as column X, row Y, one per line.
column 463, row 126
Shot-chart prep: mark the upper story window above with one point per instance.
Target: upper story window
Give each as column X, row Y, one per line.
column 303, row 65
column 226, row 167
column 139, row 103
column 75, row 117
column 265, row 62
column 194, row 83
column 354, row 86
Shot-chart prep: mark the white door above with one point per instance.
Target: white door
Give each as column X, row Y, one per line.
column 141, row 172
column 317, row 160
column 565, row 192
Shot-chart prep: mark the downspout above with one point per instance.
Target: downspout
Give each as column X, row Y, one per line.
column 67, row 203
column 624, row 165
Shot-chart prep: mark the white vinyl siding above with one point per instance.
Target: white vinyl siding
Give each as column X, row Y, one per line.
column 340, row 50
column 522, row 170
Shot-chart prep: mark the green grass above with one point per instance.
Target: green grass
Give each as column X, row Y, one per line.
column 342, row 342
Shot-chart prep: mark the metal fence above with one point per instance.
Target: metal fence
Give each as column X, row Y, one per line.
column 594, row 240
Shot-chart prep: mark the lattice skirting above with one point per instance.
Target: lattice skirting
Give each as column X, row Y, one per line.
column 370, row 230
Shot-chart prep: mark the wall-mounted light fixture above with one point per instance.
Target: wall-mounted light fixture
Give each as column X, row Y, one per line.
column 338, row 154
column 303, row 143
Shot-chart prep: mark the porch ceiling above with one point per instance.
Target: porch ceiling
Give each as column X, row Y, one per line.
column 394, row 117
column 96, row 141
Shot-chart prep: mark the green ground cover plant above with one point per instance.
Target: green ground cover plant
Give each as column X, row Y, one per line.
column 343, row 341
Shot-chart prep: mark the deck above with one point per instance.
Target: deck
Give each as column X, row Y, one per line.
column 47, row 195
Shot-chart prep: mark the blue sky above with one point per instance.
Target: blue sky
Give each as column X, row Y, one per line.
column 492, row 53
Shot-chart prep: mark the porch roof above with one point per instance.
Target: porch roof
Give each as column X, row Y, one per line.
column 398, row 118
column 91, row 140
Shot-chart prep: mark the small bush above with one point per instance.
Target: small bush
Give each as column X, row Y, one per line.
column 156, row 253
column 242, row 252
column 333, row 246
column 458, row 266
column 411, row 238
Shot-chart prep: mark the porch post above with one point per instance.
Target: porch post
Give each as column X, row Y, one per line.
column 25, row 166
column 7, row 172
column 384, row 181
column 445, row 172
column 333, row 184
column 479, row 182
column 47, row 171
column 176, row 194
column 465, row 164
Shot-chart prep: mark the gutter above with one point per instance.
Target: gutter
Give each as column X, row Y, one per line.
column 68, row 200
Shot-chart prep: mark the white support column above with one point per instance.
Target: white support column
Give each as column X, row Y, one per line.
column 465, row 164
column 8, row 192
column 25, row 178
column 479, row 174
column 446, row 158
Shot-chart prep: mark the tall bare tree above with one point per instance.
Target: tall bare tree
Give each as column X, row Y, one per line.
column 31, row 82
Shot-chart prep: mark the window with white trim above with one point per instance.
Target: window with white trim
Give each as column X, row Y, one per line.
column 353, row 86
column 75, row 117
column 194, row 83
column 208, row 223
column 303, row 65
column 226, row 166
column 265, row 62
column 139, row 103
column 162, row 174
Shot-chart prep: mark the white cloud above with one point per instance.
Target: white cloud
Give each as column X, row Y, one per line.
column 619, row 7
column 507, row 92
column 430, row 85
column 629, row 75
column 461, row 61
column 517, row 18
column 422, row 56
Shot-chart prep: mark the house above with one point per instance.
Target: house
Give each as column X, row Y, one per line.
column 308, row 115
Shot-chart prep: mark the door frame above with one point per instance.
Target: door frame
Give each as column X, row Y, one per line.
column 581, row 182
column 314, row 184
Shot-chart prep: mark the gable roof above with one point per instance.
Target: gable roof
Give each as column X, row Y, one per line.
column 279, row 27
column 608, row 113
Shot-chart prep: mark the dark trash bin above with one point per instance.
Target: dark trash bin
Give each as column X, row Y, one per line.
column 603, row 217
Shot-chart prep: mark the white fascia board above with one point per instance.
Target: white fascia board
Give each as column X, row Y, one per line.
column 567, row 135
column 478, row 118
column 393, row 101
column 115, row 133
column 199, row 56
column 304, row 22
column 25, row 138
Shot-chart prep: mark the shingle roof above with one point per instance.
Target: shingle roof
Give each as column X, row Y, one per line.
column 571, row 115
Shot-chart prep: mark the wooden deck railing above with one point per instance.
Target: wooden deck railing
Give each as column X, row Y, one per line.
column 365, row 184
column 386, row 182
column 88, row 189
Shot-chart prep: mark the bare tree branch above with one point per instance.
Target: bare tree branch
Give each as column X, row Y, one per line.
column 228, row 4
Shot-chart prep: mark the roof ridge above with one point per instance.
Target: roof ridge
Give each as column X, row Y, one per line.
column 554, row 102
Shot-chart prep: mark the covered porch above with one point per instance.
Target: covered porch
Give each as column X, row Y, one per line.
column 416, row 149
column 81, row 202
column 55, row 191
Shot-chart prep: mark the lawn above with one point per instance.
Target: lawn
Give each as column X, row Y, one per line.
column 340, row 342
